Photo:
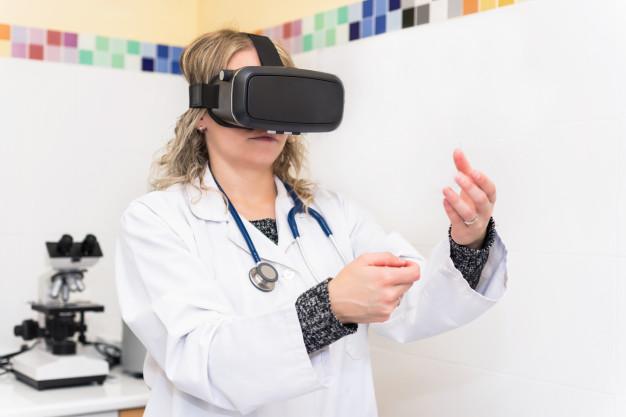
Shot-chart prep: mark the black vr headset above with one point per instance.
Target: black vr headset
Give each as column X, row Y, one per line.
column 271, row 97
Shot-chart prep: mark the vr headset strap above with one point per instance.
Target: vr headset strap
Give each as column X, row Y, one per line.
column 203, row 96
column 207, row 95
column 265, row 49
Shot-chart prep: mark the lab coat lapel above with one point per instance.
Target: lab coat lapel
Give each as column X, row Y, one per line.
column 212, row 207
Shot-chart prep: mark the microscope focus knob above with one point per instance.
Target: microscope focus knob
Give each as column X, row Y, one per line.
column 28, row 330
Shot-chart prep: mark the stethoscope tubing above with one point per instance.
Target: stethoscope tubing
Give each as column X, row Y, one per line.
column 298, row 207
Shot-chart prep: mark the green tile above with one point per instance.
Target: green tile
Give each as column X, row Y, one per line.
column 117, row 60
column 319, row 39
column 307, row 42
column 117, row 46
column 331, row 18
column 102, row 43
column 101, row 59
column 132, row 47
column 85, row 57
column 342, row 15
column 330, row 37
column 319, row 21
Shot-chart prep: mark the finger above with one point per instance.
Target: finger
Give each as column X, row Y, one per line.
column 452, row 214
column 478, row 196
column 405, row 275
column 400, row 290
column 394, row 294
column 488, row 187
column 463, row 209
column 461, row 161
column 382, row 259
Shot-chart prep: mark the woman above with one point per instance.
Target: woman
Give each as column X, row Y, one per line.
column 217, row 346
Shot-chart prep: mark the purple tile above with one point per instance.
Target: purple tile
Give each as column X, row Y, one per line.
column 70, row 39
column 296, row 28
column 18, row 50
column 277, row 32
column 70, row 55
column 52, row 53
column 18, row 34
column 296, row 45
column 36, row 36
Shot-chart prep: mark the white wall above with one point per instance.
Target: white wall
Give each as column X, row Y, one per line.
column 534, row 94
column 75, row 147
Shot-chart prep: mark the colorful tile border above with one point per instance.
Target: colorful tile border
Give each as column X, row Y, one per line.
column 369, row 18
column 87, row 49
column 325, row 29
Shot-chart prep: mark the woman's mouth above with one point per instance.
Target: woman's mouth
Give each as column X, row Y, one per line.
column 264, row 138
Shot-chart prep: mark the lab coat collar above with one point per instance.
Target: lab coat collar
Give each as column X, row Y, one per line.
column 210, row 205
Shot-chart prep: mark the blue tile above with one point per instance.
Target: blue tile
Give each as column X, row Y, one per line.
column 175, row 67
column 162, row 51
column 366, row 27
column 381, row 24
column 161, row 65
column 147, row 64
column 148, row 49
column 368, row 8
column 394, row 4
column 381, row 7
column 354, row 31
column 175, row 52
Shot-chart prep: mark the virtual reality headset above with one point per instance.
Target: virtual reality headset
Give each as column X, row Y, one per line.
column 272, row 97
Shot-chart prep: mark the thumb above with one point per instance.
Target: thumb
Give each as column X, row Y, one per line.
column 382, row 259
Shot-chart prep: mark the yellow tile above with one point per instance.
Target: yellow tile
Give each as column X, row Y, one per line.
column 5, row 48
column 505, row 2
column 487, row 4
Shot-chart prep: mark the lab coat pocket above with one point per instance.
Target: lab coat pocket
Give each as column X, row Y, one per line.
column 356, row 344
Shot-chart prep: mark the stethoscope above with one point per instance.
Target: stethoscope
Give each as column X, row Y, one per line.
column 263, row 275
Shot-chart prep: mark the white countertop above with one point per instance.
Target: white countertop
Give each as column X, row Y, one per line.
column 119, row 391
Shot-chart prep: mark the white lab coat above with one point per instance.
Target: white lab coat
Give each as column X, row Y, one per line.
column 217, row 346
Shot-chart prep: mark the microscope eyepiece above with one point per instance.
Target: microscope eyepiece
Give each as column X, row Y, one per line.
column 88, row 246
column 64, row 245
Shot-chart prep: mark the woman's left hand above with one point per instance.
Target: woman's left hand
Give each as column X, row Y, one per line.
column 474, row 205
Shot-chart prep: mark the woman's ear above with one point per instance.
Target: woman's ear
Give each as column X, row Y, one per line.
column 201, row 125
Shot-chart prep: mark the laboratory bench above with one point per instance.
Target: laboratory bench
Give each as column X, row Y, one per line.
column 120, row 395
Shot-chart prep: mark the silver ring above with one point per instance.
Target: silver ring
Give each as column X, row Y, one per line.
column 399, row 300
column 471, row 222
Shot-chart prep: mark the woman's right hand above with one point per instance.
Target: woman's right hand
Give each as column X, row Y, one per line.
column 369, row 288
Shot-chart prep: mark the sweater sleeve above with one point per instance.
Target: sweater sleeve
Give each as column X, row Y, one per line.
column 470, row 261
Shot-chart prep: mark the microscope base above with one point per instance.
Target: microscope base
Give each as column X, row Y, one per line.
column 42, row 370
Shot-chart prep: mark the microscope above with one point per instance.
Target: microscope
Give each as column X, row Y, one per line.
column 60, row 361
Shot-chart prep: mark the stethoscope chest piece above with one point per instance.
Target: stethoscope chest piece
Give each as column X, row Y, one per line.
column 263, row 276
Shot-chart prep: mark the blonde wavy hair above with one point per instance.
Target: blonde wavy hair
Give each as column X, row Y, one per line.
column 184, row 158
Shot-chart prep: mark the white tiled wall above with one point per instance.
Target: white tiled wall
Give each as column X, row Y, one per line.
column 75, row 148
column 534, row 94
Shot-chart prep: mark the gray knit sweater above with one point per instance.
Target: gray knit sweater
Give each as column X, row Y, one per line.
column 319, row 325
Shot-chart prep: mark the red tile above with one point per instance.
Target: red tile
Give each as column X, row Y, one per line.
column 287, row 30
column 54, row 37
column 35, row 52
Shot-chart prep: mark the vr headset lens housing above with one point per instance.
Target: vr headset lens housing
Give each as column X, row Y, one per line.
column 273, row 98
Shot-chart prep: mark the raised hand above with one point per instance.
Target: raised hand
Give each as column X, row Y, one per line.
column 469, row 212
